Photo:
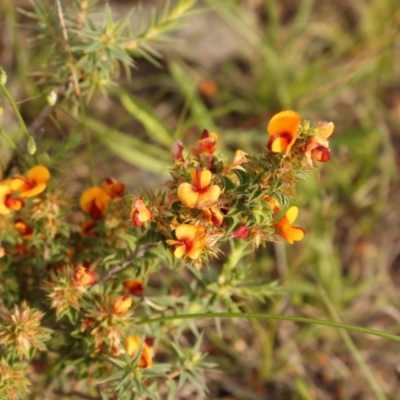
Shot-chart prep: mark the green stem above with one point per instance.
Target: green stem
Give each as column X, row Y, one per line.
column 278, row 317
column 13, row 146
column 369, row 376
column 16, row 111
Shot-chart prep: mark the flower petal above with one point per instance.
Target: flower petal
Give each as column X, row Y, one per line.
column 209, row 197
column 39, row 174
column 297, row 233
column 188, row 195
column 38, row 188
column 186, row 231
column 291, row 214
column 279, row 143
column 325, row 129
column 285, row 122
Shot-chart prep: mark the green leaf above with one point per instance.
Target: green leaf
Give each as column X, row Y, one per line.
column 130, row 149
column 227, row 183
column 244, row 178
column 142, row 112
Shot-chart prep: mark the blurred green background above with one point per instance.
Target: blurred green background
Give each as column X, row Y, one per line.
column 229, row 69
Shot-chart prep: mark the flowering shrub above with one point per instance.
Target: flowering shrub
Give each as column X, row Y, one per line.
column 85, row 269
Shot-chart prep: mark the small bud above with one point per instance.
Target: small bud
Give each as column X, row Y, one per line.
column 134, row 286
column 177, row 150
column 3, row 77
column 52, row 98
column 31, row 145
column 83, row 276
column 132, row 346
column 241, row 233
column 122, row 305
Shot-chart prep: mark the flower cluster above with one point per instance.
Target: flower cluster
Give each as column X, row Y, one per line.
column 90, row 257
column 210, row 200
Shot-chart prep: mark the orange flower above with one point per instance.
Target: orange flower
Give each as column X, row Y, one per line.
column 208, row 87
column 177, row 152
column 325, row 129
column 122, row 305
column 36, row 182
column 25, row 230
column 83, row 276
column 201, row 195
column 140, row 214
column 94, row 201
column 274, row 203
column 113, row 188
column 285, row 229
column 239, row 158
column 317, row 147
column 191, row 241
column 8, row 203
column 134, row 286
column 132, row 346
column 207, row 144
column 88, row 229
column 213, row 215
column 283, row 131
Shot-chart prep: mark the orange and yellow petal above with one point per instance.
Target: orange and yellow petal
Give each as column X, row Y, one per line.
column 39, row 174
column 37, row 189
column 292, row 213
column 208, row 197
column 239, row 157
column 83, row 276
column 285, row 229
column 132, row 345
column 134, row 286
column 122, row 305
column 5, row 192
column 321, row 154
column 94, row 201
column 188, row 195
column 273, row 202
column 214, row 215
column 25, row 230
column 279, row 143
column 187, row 232
column 20, row 184
column 113, row 188
column 325, row 129
column 285, row 124
column 297, row 233
column 201, row 177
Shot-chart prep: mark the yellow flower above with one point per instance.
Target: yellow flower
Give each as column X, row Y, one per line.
column 132, row 346
column 140, row 214
column 122, row 305
column 25, row 230
column 283, row 131
column 214, row 215
column 94, row 201
column 191, row 241
column 113, row 188
column 317, row 147
column 285, row 229
column 7, row 202
column 201, row 195
column 134, row 286
column 35, row 184
column 83, row 276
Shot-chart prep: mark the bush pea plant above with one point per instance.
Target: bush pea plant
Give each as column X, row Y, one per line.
column 101, row 291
